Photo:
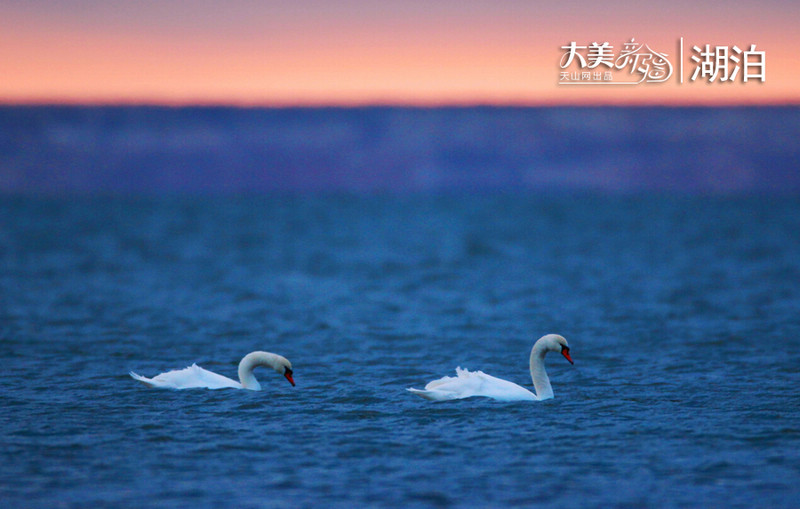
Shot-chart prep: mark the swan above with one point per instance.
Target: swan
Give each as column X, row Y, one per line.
column 477, row 383
column 196, row 377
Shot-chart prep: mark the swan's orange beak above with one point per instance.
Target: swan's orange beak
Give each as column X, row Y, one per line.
column 288, row 375
column 564, row 352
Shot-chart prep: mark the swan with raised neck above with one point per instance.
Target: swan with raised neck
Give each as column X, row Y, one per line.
column 548, row 343
column 477, row 383
column 249, row 362
column 196, row 377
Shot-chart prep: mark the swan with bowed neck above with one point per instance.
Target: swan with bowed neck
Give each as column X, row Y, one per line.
column 196, row 377
column 477, row 383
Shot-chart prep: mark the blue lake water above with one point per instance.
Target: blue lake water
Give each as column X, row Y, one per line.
column 682, row 315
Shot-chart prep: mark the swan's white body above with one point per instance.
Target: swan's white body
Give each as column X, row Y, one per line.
column 196, row 377
column 477, row 383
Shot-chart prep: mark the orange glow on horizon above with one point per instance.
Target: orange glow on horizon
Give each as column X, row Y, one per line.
column 500, row 62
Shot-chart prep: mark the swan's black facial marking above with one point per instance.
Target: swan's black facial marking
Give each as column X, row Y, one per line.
column 565, row 353
column 287, row 372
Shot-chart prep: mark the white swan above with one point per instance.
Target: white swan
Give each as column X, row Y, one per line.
column 468, row 383
column 196, row 377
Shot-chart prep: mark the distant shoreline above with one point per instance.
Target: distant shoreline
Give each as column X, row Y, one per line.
column 230, row 150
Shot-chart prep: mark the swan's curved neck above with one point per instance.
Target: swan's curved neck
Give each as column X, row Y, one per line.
column 541, row 382
column 252, row 361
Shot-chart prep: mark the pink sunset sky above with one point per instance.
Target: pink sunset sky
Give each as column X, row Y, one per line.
column 276, row 53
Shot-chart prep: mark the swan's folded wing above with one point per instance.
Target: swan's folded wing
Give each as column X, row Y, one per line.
column 189, row 378
column 142, row 379
column 199, row 377
column 445, row 380
column 464, row 385
column 433, row 395
column 501, row 390
column 473, row 383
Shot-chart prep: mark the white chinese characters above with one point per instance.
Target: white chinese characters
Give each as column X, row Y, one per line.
column 597, row 64
column 725, row 62
column 642, row 64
